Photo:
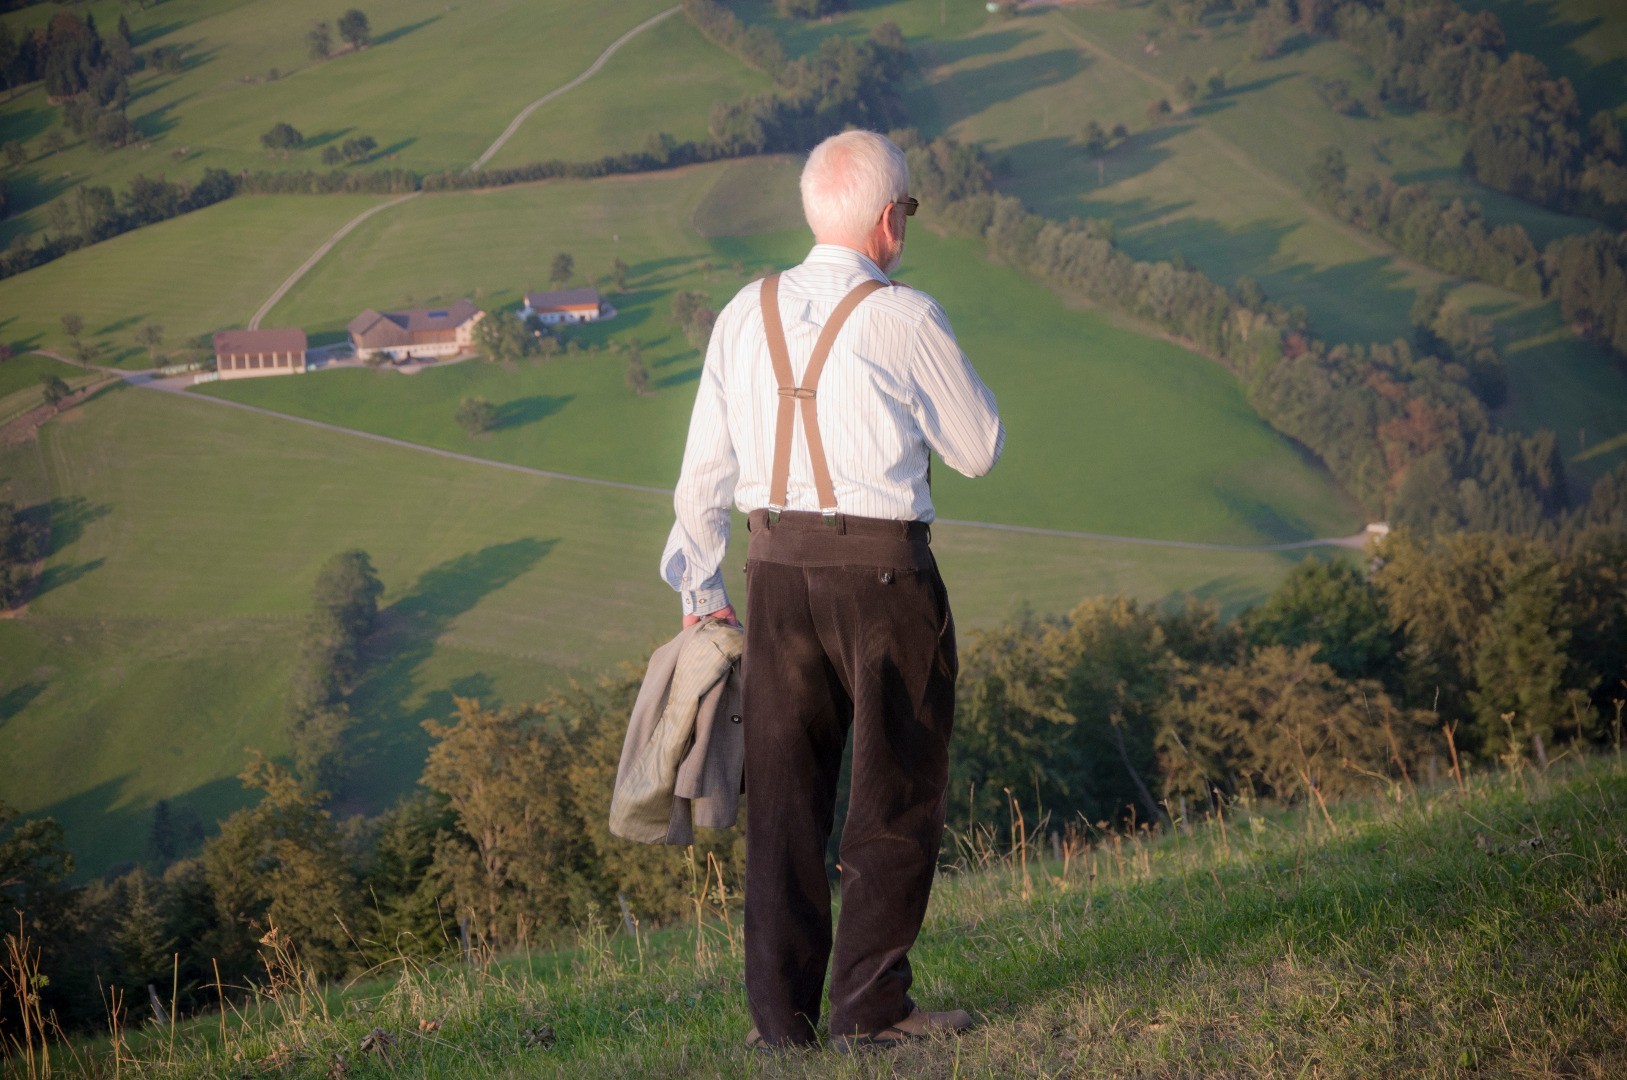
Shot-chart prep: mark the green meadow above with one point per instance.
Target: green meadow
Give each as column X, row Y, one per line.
column 438, row 84
column 186, row 533
column 1224, row 185
column 1112, row 432
column 192, row 275
column 664, row 80
column 186, row 538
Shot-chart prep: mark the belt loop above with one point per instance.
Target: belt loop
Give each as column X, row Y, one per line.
column 840, row 521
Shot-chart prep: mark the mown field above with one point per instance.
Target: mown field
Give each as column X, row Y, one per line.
column 187, row 537
column 1429, row 933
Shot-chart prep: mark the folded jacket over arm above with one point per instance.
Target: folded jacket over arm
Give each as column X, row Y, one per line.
column 682, row 761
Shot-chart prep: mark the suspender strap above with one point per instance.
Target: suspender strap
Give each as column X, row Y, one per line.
column 790, row 393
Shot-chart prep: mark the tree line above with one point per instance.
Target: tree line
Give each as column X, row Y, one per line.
column 1406, row 430
column 22, row 542
column 1439, row 653
column 95, row 213
column 1585, row 274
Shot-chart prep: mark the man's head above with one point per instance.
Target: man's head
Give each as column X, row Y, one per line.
column 851, row 189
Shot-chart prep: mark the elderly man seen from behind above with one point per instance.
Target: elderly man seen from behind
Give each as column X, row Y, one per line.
column 824, row 392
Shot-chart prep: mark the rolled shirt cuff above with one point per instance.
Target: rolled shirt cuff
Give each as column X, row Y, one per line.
column 703, row 601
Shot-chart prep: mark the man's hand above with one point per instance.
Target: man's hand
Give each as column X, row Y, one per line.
column 724, row 613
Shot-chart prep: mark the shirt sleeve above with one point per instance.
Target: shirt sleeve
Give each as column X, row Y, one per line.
column 956, row 412
column 694, row 553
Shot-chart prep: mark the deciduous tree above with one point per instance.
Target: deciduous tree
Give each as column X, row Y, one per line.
column 564, row 267
column 282, row 136
column 476, row 415
column 319, row 40
column 354, row 29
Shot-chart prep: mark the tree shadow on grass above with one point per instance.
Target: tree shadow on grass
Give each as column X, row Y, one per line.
column 1254, row 84
column 109, row 828
column 157, row 122
column 390, row 151
column 1222, row 253
column 67, row 517
column 322, row 138
column 528, row 410
column 678, row 378
column 18, row 698
column 55, row 577
column 389, row 740
column 28, row 123
column 941, row 53
column 400, row 32
column 964, row 94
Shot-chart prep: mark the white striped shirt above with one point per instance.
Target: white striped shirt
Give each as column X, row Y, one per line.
column 895, row 385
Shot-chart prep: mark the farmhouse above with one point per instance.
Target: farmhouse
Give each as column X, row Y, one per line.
column 247, row 354
column 422, row 332
column 571, row 305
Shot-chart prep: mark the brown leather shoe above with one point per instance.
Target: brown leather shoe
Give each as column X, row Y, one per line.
column 919, row 1024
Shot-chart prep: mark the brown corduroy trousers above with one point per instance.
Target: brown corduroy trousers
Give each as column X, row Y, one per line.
column 848, row 626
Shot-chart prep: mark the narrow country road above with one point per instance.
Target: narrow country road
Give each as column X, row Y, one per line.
column 514, row 125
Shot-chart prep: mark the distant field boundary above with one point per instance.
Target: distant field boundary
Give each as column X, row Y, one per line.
column 593, row 69
column 143, row 381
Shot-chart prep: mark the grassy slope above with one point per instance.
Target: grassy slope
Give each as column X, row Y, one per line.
column 20, row 377
column 187, row 537
column 1224, row 186
column 193, row 275
column 666, row 79
column 437, row 86
column 1482, row 932
column 1137, row 437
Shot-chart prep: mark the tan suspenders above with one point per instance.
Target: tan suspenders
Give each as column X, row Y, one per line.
column 791, row 393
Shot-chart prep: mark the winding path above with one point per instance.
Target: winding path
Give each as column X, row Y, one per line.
column 514, row 125
column 316, row 257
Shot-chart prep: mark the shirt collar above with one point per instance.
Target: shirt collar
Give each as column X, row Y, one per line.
column 839, row 255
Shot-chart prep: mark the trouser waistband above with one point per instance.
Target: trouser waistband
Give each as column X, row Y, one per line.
column 841, row 525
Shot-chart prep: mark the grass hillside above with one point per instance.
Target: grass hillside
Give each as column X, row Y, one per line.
column 437, row 85
column 1224, row 184
column 1428, row 933
column 1140, row 438
column 186, row 537
column 171, row 274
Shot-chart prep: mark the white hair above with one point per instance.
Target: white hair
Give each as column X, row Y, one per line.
column 848, row 180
